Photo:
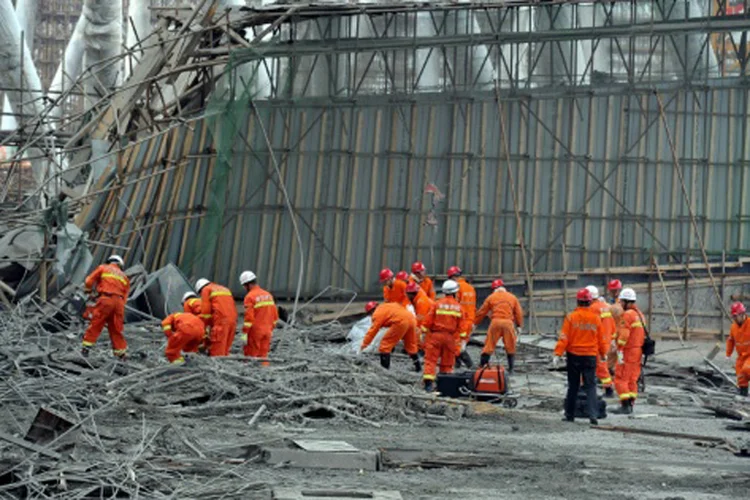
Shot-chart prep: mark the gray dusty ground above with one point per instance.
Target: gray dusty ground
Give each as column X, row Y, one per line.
column 137, row 439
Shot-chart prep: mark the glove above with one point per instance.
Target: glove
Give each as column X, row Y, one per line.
column 244, row 338
column 555, row 361
column 463, row 345
column 620, row 357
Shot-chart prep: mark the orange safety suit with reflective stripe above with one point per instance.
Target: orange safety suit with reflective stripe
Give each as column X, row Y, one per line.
column 425, row 284
column 113, row 288
column 261, row 316
column 445, row 321
column 192, row 306
column 396, row 293
column 422, row 305
column 218, row 309
column 608, row 323
column 506, row 314
column 400, row 323
column 184, row 333
column 467, row 297
column 630, row 345
column 582, row 334
column 739, row 340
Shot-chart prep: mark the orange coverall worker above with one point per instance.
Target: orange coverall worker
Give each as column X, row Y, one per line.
column 218, row 310
column 445, row 322
column 467, row 297
column 425, row 284
column 401, row 325
column 739, row 339
column 422, row 305
column 184, row 333
column 396, row 293
column 506, row 315
column 629, row 353
column 608, row 324
column 261, row 316
column 113, row 288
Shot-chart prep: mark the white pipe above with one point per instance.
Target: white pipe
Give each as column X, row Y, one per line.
column 26, row 15
column 20, row 73
column 102, row 41
column 71, row 65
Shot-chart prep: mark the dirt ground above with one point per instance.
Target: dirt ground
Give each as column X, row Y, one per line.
column 149, row 445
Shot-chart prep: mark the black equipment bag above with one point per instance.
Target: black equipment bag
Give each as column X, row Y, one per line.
column 455, row 385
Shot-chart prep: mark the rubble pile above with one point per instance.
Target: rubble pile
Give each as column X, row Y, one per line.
column 128, row 427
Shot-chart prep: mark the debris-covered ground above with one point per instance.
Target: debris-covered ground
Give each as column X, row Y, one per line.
column 229, row 428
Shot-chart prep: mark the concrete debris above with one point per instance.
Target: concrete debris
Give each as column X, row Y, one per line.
column 159, row 294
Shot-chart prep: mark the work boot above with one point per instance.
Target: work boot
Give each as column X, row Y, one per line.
column 568, row 419
column 511, row 362
column 85, row 352
column 593, row 421
column 624, row 409
column 484, row 360
column 417, row 363
column 385, row 360
column 743, row 391
column 609, row 392
column 429, row 386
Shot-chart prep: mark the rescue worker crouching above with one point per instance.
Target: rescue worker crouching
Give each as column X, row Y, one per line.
column 111, row 287
column 630, row 337
column 184, row 333
column 191, row 303
column 401, row 326
column 261, row 316
column 739, row 340
column 582, row 338
column 445, row 322
column 506, row 314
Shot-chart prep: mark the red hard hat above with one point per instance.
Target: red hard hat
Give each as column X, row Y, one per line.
column 412, row 287
column 370, row 306
column 584, row 295
column 738, row 308
column 497, row 284
column 402, row 275
column 386, row 274
column 418, row 267
column 615, row 285
column 453, row 271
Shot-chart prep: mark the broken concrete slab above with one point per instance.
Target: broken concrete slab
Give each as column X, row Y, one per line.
column 303, row 494
column 47, row 426
column 324, row 446
column 359, row 460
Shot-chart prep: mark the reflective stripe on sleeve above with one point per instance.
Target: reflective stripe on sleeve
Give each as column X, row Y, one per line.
column 264, row 304
column 247, row 325
column 444, row 312
column 221, row 294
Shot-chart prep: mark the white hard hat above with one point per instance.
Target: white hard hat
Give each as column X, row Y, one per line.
column 450, row 287
column 188, row 295
column 200, row 284
column 116, row 259
column 627, row 294
column 594, row 291
column 247, row 277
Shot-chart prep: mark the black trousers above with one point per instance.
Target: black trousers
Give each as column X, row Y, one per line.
column 581, row 366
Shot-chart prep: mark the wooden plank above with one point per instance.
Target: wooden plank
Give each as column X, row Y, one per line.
column 30, row 446
column 649, row 432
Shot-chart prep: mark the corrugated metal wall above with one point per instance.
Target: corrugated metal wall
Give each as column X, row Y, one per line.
column 595, row 176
